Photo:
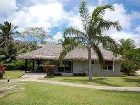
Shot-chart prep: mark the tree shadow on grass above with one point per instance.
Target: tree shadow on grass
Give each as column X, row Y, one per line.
column 132, row 80
column 75, row 80
column 101, row 81
column 97, row 81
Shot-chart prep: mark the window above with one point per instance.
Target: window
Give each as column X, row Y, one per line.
column 93, row 62
column 108, row 65
column 65, row 67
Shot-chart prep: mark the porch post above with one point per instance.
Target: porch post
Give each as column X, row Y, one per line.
column 26, row 61
column 56, row 66
column 38, row 63
column 33, row 65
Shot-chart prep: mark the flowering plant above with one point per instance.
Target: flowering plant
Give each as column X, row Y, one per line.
column 2, row 70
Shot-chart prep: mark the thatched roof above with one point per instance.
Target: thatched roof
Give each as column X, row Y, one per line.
column 52, row 52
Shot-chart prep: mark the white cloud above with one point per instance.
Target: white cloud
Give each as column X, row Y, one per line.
column 58, row 36
column 117, row 35
column 42, row 15
column 55, row 38
column 138, row 29
column 102, row 2
column 51, row 13
column 7, row 6
column 119, row 15
column 75, row 21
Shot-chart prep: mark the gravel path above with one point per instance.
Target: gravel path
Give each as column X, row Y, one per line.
column 135, row 89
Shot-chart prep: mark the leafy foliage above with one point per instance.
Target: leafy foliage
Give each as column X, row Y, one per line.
column 23, row 47
column 35, row 32
column 7, row 46
column 49, row 70
column 131, row 56
column 2, row 71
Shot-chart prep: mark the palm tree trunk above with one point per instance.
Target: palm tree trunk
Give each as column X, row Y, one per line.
column 89, row 64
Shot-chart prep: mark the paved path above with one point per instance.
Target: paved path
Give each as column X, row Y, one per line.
column 136, row 89
column 33, row 75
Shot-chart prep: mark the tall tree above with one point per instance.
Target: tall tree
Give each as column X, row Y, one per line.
column 7, row 30
column 91, row 36
column 35, row 32
column 131, row 56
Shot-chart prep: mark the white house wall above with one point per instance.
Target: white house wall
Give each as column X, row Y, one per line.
column 80, row 67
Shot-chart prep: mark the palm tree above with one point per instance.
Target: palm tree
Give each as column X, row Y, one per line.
column 7, row 30
column 91, row 36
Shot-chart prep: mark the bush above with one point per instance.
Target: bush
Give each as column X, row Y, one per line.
column 57, row 74
column 15, row 65
column 1, row 75
column 128, row 69
column 2, row 71
column 79, row 74
column 49, row 70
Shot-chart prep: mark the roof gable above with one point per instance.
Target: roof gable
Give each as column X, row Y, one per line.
column 52, row 51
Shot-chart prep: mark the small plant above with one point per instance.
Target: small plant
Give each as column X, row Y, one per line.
column 2, row 71
column 79, row 74
column 49, row 70
column 57, row 74
column 129, row 69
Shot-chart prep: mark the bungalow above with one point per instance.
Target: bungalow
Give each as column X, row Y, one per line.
column 75, row 62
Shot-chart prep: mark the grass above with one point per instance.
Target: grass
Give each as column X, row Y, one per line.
column 105, row 81
column 13, row 74
column 10, row 87
column 47, row 94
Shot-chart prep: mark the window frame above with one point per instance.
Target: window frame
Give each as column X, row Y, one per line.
column 64, row 66
column 108, row 65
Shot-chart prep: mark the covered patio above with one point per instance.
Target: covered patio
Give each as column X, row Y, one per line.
column 48, row 54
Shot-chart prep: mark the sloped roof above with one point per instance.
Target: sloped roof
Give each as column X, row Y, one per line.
column 52, row 51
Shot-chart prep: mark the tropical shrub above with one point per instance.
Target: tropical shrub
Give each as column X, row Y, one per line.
column 2, row 71
column 57, row 74
column 49, row 69
column 129, row 69
column 15, row 65
column 131, row 56
column 1, row 75
column 79, row 74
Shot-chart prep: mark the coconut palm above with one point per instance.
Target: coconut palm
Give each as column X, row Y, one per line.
column 7, row 30
column 91, row 36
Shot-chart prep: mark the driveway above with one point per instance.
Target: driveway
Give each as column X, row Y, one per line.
column 33, row 75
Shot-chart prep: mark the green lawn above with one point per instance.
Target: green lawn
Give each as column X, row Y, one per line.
column 47, row 94
column 106, row 81
column 13, row 74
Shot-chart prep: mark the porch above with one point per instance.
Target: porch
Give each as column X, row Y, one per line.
column 37, row 65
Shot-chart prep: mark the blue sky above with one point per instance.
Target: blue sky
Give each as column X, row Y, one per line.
column 56, row 15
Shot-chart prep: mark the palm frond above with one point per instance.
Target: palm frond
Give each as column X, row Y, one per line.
column 109, row 43
column 99, row 11
column 84, row 14
column 76, row 34
column 73, row 32
column 68, row 44
column 106, row 25
column 99, row 54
